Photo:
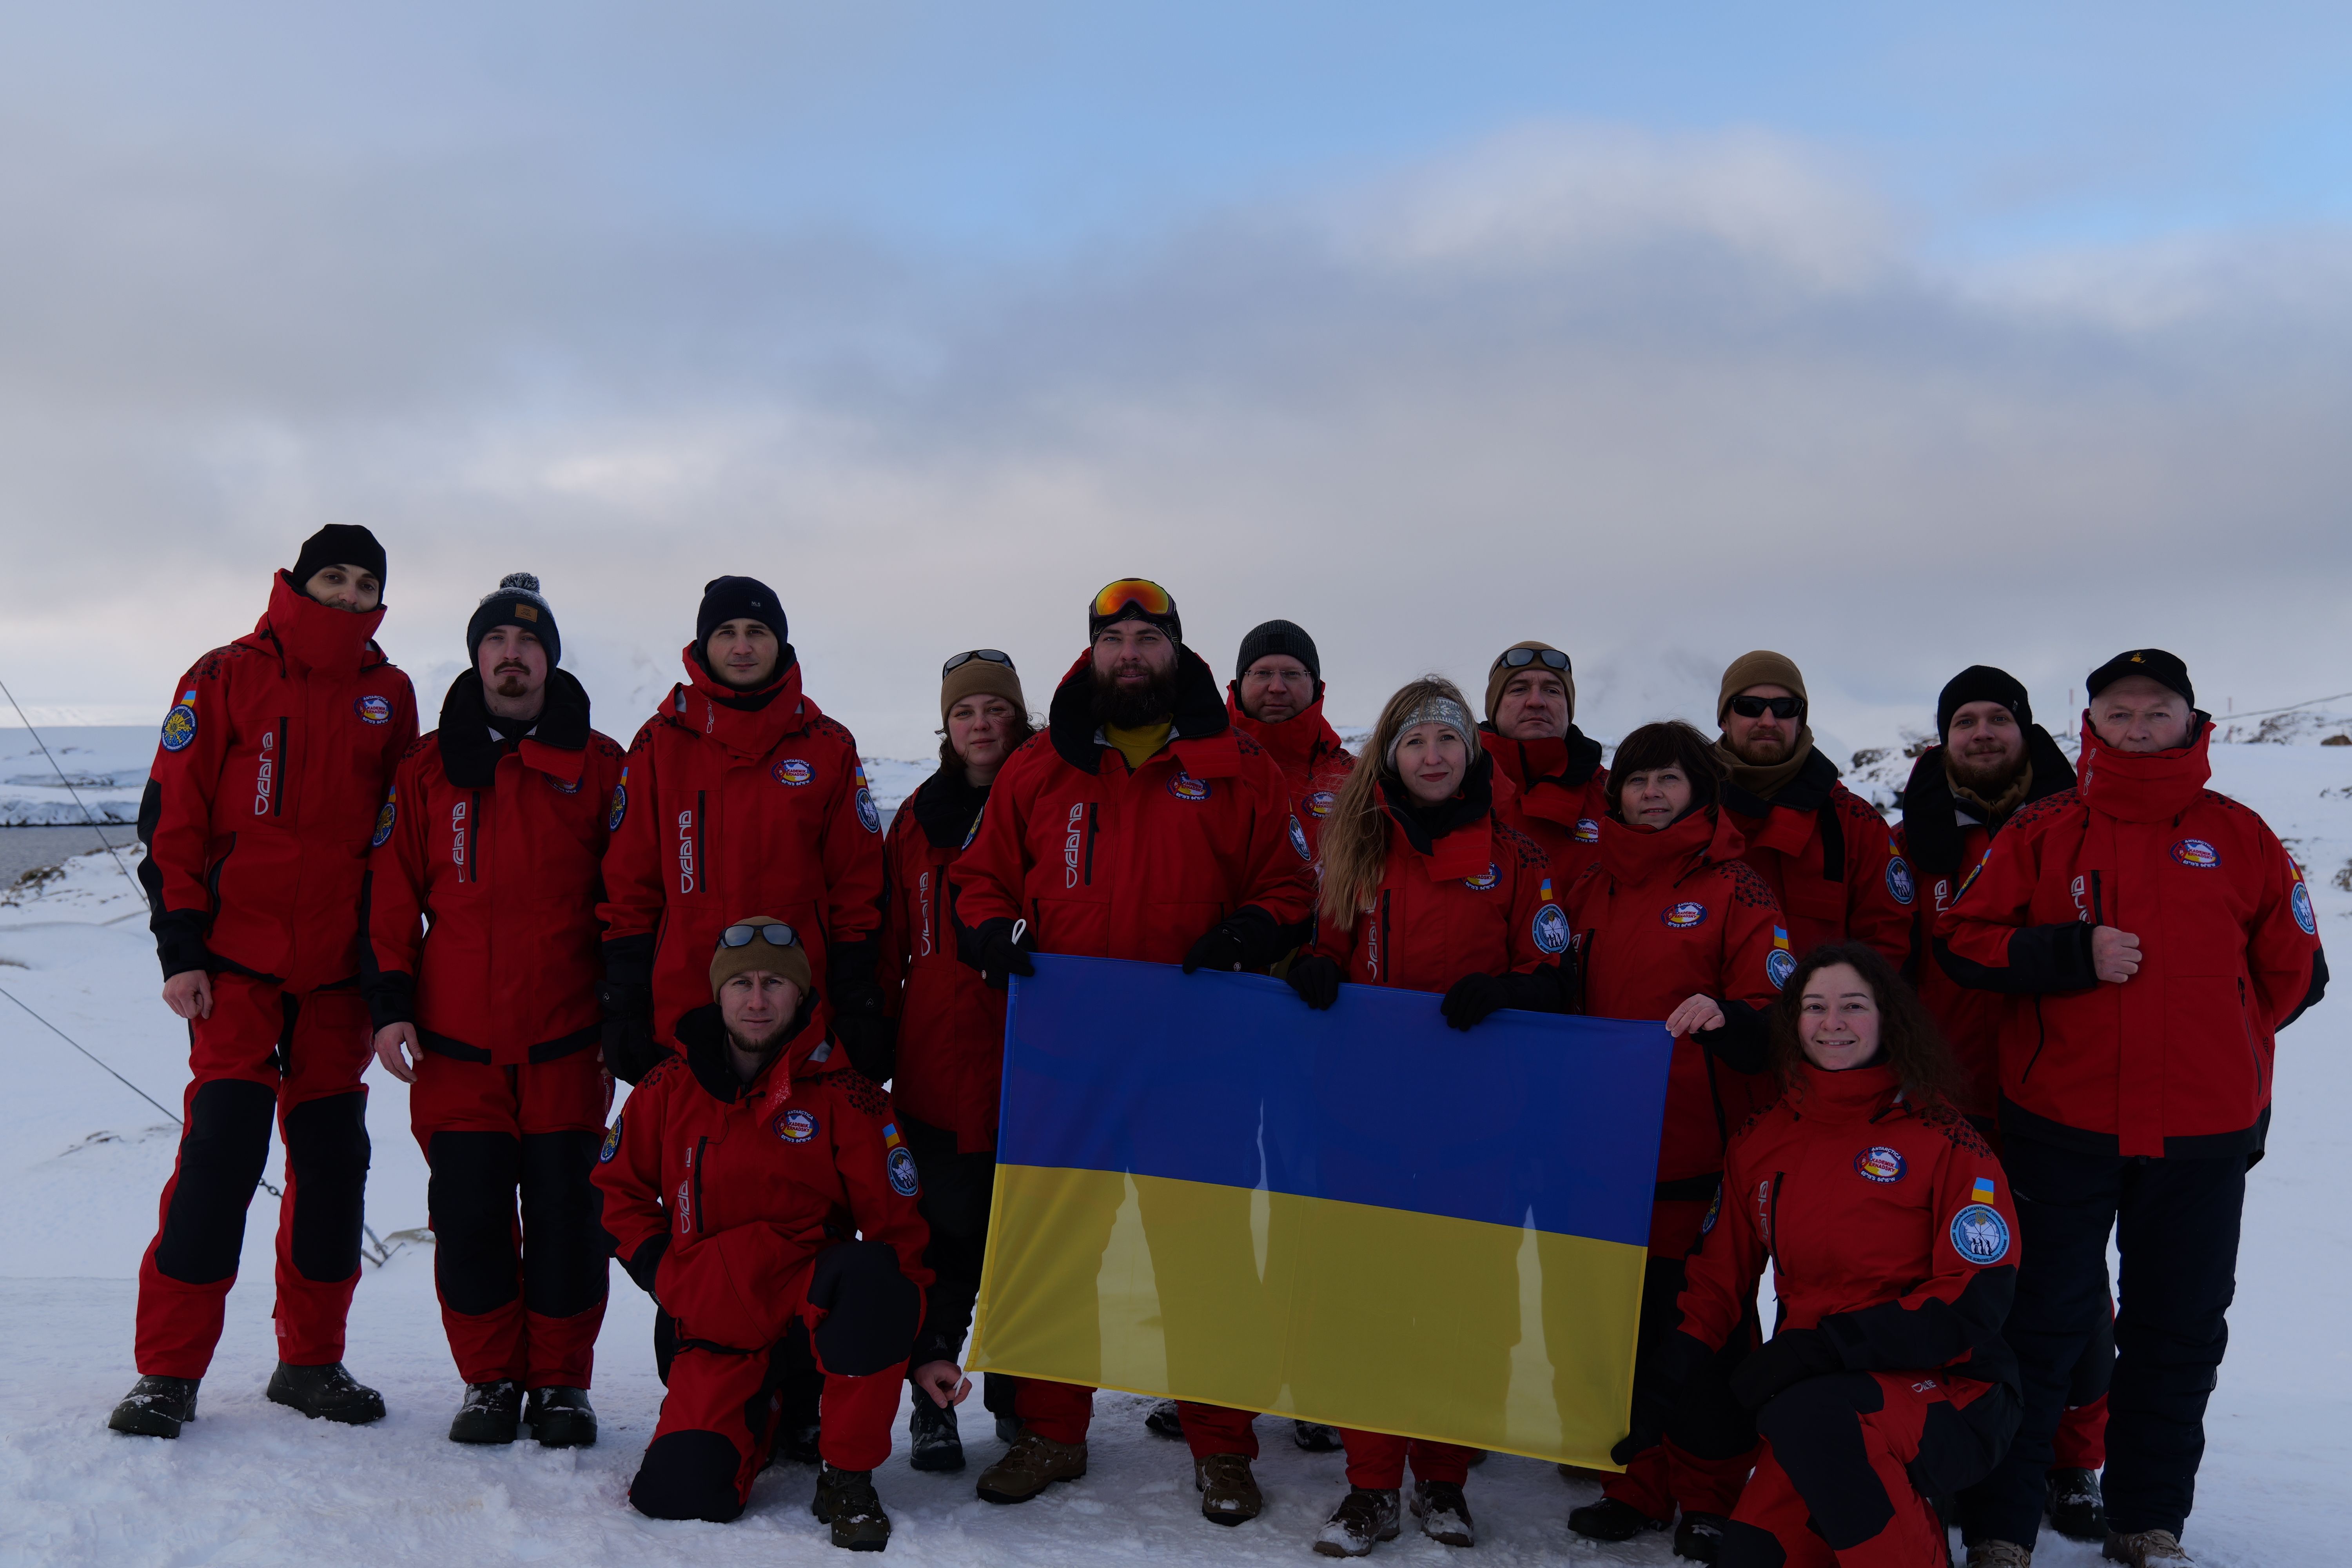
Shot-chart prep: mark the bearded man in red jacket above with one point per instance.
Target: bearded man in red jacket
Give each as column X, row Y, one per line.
column 480, row 967
column 1140, row 826
column 264, row 793
column 2149, row 938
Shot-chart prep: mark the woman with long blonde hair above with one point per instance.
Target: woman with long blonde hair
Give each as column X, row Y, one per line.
column 1425, row 887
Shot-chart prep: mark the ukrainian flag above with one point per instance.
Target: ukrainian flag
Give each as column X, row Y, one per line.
column 1206, row 1190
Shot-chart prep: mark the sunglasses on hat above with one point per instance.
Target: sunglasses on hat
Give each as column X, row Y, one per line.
column 1749, row 707
column 986, row 654
column 1140, row 591
column 1520, row 657
column 777, row 934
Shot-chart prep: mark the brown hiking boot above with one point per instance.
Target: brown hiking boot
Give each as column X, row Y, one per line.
column 1362, row 1519
column 1999, row 1554
column 2147, row 1549
column 1444, row 1512
column 1029, row 1466
column 1228, row 1491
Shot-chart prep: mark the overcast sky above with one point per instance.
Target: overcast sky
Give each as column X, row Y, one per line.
column 1895, row 341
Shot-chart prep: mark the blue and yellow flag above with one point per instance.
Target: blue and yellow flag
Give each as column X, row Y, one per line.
column 1206, row 1190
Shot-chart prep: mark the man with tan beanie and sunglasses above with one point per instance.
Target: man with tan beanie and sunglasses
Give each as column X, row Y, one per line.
column 1829, row 855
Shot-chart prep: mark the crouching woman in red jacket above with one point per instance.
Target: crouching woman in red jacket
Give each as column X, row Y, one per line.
column 731, row 1182
column 1427, row 888
column 1893, row 1237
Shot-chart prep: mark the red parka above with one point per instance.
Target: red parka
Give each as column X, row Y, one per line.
column 1829, row 859
column 1665, row 914
column 716, row 1191
column 1476, row 898
column 264, row 794
column 1943, row 836
column 1107, row 862
column 1307, row 750
column 1561, row 789
column 1890, row 1229
column 482, row 889
column 730, row 804
column 950, row 1071
column 2175, row 1061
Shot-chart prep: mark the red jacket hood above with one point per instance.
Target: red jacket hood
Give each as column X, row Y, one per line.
column 2143, row 786
column 312, row 635
column 1636, row 855
column 706, row 706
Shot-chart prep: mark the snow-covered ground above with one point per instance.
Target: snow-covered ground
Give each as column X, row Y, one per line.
column 252, row 1483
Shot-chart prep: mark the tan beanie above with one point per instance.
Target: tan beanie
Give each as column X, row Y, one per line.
column 980, row 677
column 1762, row 667
column 1499, row 676
column 792, row 963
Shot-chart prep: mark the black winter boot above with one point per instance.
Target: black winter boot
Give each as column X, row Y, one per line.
column 931, row 1431
column 156, row 1407
column 488, row 1414
column 1316, row 1438
column 2077, row 1511
column 1700, row 1536
column 1444, row 1512
column 325, row 1394
column 1165, row 1420
column 1611, row 1519
column 1362, row 1520
column 846, row 1500
column 561, row 1418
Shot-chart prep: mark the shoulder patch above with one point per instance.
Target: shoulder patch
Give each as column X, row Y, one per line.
column 179, row 723
column 1979, row 1235
column 1899, row 886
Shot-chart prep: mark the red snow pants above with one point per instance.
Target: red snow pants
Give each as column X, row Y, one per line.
column 1376, row 1459
column 1707, row 1456
column 1835, row 1485
column 264, row 1050
column 522, row 1292
column 719, row 1417
column 1063, row 1412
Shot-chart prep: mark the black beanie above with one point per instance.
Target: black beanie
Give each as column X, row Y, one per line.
column 727, row 599
column 2166, row 669
column 1279, row 637
column 338, row 544
column 515, row 602
column 1981, row 683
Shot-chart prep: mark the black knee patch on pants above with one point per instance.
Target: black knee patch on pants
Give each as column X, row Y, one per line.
column 471, row 1197
column 563, row 1244
column 871, row 1310
column 222, row 1153
column 688, row 1475
column 327, row 1150
column 1817, row 1438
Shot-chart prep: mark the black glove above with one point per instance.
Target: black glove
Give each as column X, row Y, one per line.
column 1744, row 1043
column 1474, row 998
column 872, row 1042
column 990, row 949
column 645, row 1267
column 1220, row 948
column 1787, row 1357
column 1658, row 1389
column 630, row 1049
column 1316, row 979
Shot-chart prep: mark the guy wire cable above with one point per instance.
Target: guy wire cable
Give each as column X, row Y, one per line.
column 77, row 800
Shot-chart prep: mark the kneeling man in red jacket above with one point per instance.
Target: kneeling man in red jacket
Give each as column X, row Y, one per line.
column 736, row 1181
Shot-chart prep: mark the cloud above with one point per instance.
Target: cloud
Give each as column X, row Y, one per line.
column 1657, row 399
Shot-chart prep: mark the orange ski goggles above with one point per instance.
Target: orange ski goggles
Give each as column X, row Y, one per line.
column 1131, row 596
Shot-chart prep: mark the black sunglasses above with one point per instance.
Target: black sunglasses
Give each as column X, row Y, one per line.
column 777, row 934
column 993, row 656
column 1753, row 706
column 1520, row 657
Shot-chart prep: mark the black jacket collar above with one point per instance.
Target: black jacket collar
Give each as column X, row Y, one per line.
column 946, row 805
column 1426, row 824
column 1932, row 839
column 704, row 1034
column 470, row 752
column 1070, row 721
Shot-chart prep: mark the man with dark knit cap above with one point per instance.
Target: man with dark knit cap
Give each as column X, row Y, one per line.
column 263, row 796
column 950, row 1067
column 1276, row 700
column 480, row 972
column 2148, row 939
column 1546, row 769
column 1143, row 808
column 1827, row 854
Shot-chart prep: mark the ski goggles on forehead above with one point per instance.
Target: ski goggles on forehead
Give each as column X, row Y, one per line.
column 1141, row 591
column 1520, row 657
column 985, row 655
column 777, row 934
column 1749, row 707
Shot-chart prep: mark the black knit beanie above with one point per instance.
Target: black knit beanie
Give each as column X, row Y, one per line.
column 1279, row 637
column 1981, row 683
column 2166, row 669
column 516, row 602
column 727, row 599
column 338, row 544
